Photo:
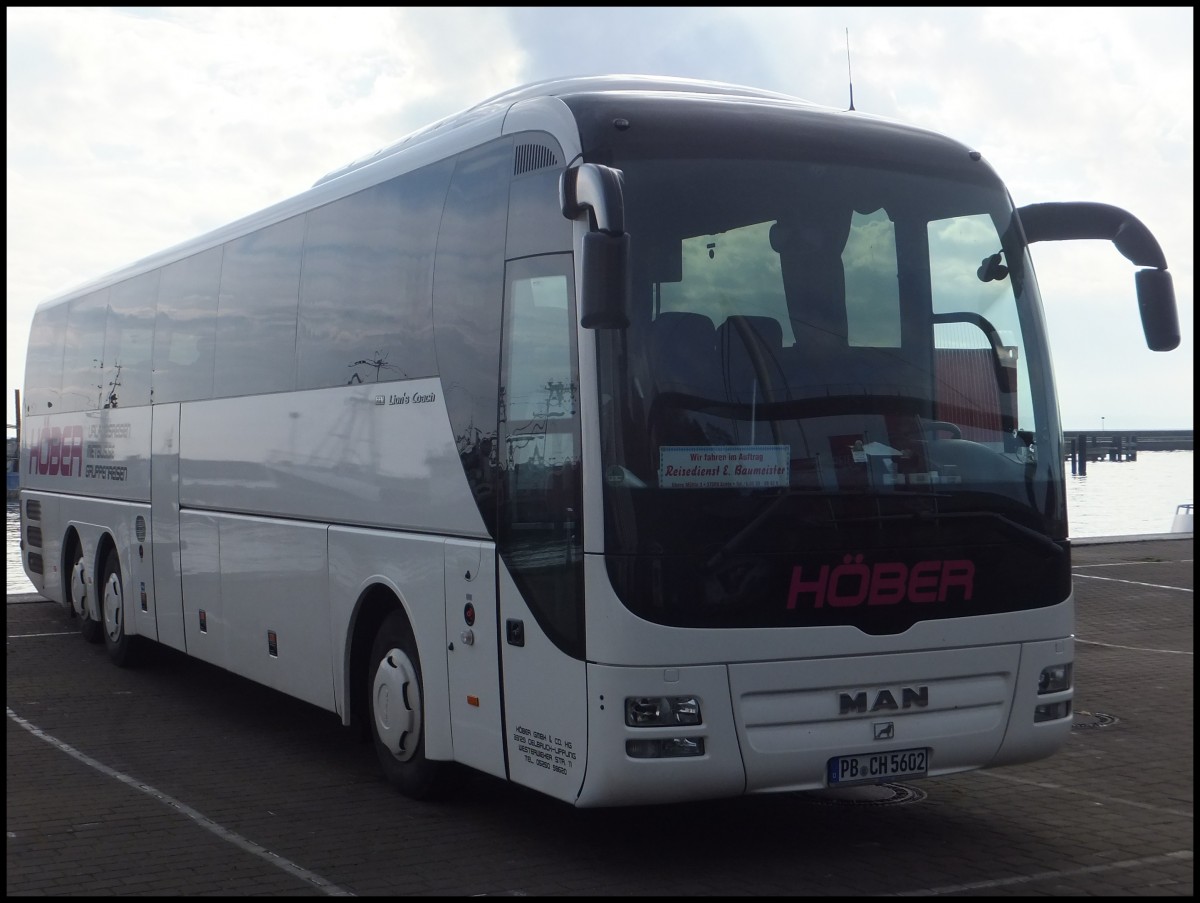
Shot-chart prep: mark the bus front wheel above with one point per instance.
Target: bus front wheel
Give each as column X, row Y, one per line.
column 397, row 712
column 78, row 589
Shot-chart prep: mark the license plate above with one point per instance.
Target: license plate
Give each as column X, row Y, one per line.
column 871, row 768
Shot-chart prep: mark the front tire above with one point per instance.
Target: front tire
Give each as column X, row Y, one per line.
column 396, row 709
column 77, row 590
column 122, row 648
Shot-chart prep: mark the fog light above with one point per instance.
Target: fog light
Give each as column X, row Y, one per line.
column 665, row 748
column 1051, row 711
column 1055, row 679
column 661, row 711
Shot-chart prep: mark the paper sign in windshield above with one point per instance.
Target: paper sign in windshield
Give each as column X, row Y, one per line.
column 723, row 466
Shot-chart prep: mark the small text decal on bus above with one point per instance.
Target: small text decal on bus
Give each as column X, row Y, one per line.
column 883, row 583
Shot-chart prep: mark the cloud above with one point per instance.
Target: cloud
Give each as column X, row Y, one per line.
column 132, row 131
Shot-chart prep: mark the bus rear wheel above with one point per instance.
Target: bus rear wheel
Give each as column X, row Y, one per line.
column 77, row 588
column 122, row 648
column 397, row 712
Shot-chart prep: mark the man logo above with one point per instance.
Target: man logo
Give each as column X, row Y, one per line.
column 883, row 701
column 885, row 730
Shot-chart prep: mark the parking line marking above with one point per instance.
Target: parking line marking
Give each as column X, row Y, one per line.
column 199, row 818
column 1177, row 856
column 1182, row 589
column 1099, row 797
column 1078, row 641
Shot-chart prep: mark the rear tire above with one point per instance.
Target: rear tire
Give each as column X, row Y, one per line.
column 396, row 707
column 122, row 648
column 77, row 591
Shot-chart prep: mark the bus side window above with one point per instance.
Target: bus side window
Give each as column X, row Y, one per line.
column 256, row 311
column 129, row 341
column 186, row 328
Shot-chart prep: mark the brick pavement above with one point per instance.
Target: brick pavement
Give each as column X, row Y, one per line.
column 179, row 779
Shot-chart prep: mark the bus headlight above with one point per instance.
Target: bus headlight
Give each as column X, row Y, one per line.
column 661, row 711
column 1054, row 679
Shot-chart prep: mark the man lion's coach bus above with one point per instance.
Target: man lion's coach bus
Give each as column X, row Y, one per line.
column 634, row 440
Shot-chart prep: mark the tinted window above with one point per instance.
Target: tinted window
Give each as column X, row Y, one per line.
column 256, row 313
column 129, row 340
column 43, row 362
column 365, row 306
column 186, row 327
column 86, row 375
column 468, row 291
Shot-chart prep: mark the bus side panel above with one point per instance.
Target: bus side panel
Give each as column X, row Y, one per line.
column 103, row 453
column 204, row 624
column 411, row 568
column 545, row 701
column 374, row 455
column 256, row 601
column 97, row 522
column 137, row 565
column 164, row 527
column 473, row 660
column 101, row 459
column 275, row 597
column 41, row 543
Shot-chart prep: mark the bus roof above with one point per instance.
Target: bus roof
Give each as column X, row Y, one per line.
column 558, row 87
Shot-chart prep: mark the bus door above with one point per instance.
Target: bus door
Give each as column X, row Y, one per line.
column 540, row 572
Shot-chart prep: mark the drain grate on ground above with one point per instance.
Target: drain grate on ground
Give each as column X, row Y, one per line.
column 1089, row 720
column 865, row 795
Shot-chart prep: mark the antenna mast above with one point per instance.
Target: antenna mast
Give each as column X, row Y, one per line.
column 849, row 75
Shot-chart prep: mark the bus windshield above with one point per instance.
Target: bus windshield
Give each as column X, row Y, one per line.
column 838, row 363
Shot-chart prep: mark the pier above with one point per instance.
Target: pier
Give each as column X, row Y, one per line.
column 1082, row 446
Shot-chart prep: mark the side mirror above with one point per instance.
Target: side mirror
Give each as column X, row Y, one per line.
column 605, row 289
column 1155, row 289
column 1156, row 301
column 604, row 301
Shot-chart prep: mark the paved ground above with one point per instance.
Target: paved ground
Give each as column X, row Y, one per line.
column 179, row 779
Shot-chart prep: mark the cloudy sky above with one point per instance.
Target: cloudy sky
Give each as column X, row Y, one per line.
column 132, row 129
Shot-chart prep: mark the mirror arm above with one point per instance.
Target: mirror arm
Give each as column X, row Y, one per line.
column 1083, row 219
column 598, row 190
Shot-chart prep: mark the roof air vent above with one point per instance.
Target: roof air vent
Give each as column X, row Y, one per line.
column 533, row 156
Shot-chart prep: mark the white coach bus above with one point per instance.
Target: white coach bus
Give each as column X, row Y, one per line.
column 632, row 439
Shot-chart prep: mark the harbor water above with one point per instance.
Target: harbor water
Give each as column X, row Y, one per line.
column 1114, row 498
